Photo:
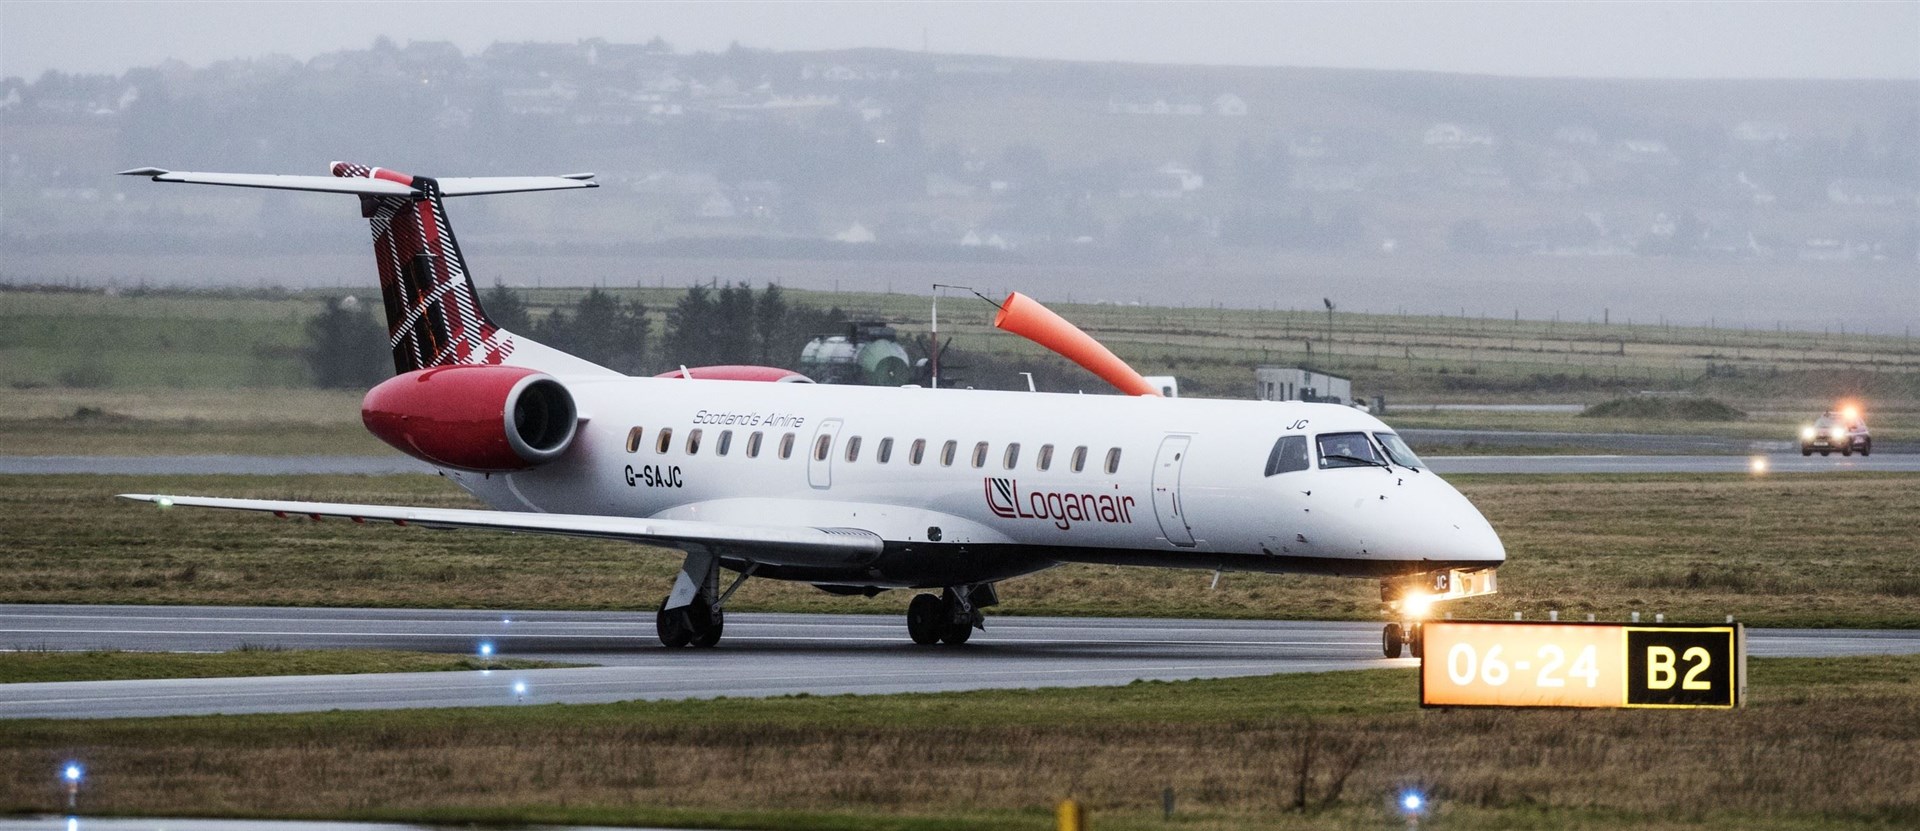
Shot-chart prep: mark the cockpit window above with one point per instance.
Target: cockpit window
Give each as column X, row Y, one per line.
column 1289, row 454
column 1347, row 450
column 1397, row 450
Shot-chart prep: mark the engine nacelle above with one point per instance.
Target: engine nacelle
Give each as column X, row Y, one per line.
column 483, row 418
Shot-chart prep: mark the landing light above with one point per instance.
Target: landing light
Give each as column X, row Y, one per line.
column 1418, row 605
column 1412, row 802
column 1809, row 433
column 1757, row 464
column 164, row 503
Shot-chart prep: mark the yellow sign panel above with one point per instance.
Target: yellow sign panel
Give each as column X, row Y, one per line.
column 1521, row 664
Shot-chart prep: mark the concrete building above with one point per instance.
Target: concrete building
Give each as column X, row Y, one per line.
column 1286, row 383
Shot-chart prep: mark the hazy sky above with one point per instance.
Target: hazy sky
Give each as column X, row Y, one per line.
column 1830, row 39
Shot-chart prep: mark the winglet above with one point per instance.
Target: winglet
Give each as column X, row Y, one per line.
column 145, row 171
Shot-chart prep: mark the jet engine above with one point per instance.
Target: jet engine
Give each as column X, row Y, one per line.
column 482, row 418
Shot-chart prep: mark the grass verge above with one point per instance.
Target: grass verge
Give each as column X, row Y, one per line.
column 1830, row 550
column 1824, row 743
column 113, row 665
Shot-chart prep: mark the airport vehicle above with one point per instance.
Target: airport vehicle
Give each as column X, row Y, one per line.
column 1843, row 430
column 861, row 489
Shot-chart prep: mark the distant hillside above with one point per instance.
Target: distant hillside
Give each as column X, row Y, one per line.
column 858, row 159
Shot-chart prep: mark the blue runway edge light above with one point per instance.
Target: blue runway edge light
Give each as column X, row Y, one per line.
column 1412, row 802
column 73, row 772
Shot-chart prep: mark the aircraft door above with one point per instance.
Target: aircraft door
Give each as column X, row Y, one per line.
column 826, row 442
column 1166, row 490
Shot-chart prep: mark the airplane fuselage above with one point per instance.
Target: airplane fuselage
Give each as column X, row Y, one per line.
column 971, row 486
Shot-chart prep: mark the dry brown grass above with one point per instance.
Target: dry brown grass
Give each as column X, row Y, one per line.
column 1693, row 547
column 1825, row 743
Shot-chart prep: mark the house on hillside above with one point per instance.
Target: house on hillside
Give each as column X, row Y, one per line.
column 1877, row 193
column 1450, row 136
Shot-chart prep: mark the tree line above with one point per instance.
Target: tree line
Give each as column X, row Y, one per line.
column 346, row 347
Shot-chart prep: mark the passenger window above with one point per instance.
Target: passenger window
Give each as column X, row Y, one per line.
column 980, row 454
column 786, row 446
column 1013, row 455
column 1079, row 458
column 919, row 452
column 1289, row 454
column 886, row 450
column 1046, row 457
column 726, row 443
column 693, row 442
column 820, row 447
column 1113, row 460
column 853, row 449
column 633, row 439
column 753, row 445
column 947, row 452
column 665, row 441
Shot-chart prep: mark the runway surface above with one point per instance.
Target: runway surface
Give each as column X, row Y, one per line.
column 762, row 655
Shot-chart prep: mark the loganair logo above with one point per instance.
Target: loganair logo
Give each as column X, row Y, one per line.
column 1006, row 500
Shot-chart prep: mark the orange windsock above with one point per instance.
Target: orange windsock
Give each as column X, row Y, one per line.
column 1024, row 316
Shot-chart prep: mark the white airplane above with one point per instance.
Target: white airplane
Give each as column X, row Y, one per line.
column 861, row 489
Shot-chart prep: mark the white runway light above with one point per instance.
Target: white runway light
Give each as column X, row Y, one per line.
column 486, row 649
column 1758, row 464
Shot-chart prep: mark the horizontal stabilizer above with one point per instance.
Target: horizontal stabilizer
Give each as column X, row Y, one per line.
column 772, row 544
column 275, row 181
column 482, row 185
column 365, row 186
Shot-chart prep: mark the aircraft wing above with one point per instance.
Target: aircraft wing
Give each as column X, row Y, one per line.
column 773, row 544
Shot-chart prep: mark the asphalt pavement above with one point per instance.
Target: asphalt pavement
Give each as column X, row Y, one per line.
column 762, row 655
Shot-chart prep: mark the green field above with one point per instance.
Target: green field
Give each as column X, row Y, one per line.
column 1825, row 743
column 186, row 373
column 31, row 666
column 188, row 340
column 1692, row 547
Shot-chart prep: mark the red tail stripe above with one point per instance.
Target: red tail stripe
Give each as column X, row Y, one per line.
column 391, row 176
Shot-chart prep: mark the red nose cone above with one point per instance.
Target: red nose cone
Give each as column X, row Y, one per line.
column 462, row 417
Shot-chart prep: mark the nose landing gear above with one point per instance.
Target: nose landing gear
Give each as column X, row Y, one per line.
column 1398, row 636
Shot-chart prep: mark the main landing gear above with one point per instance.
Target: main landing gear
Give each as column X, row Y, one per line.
column 1396, row 636
column 691, row 615
column 951, row 617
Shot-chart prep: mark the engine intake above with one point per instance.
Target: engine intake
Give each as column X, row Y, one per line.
column 481, row 418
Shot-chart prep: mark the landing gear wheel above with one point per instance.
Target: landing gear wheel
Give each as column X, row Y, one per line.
column 955, row 634
column 1417, row 640
column 924, row 622
column 1826, row 452
column 1847, row 450
column 710, row 634
column 1391, row 640
column 1866, row 448
column 672, row 626
column 1806, row 451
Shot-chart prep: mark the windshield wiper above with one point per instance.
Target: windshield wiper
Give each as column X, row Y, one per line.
column 1357, row 459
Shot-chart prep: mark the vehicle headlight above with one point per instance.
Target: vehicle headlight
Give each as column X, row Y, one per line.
column 1808, row 433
